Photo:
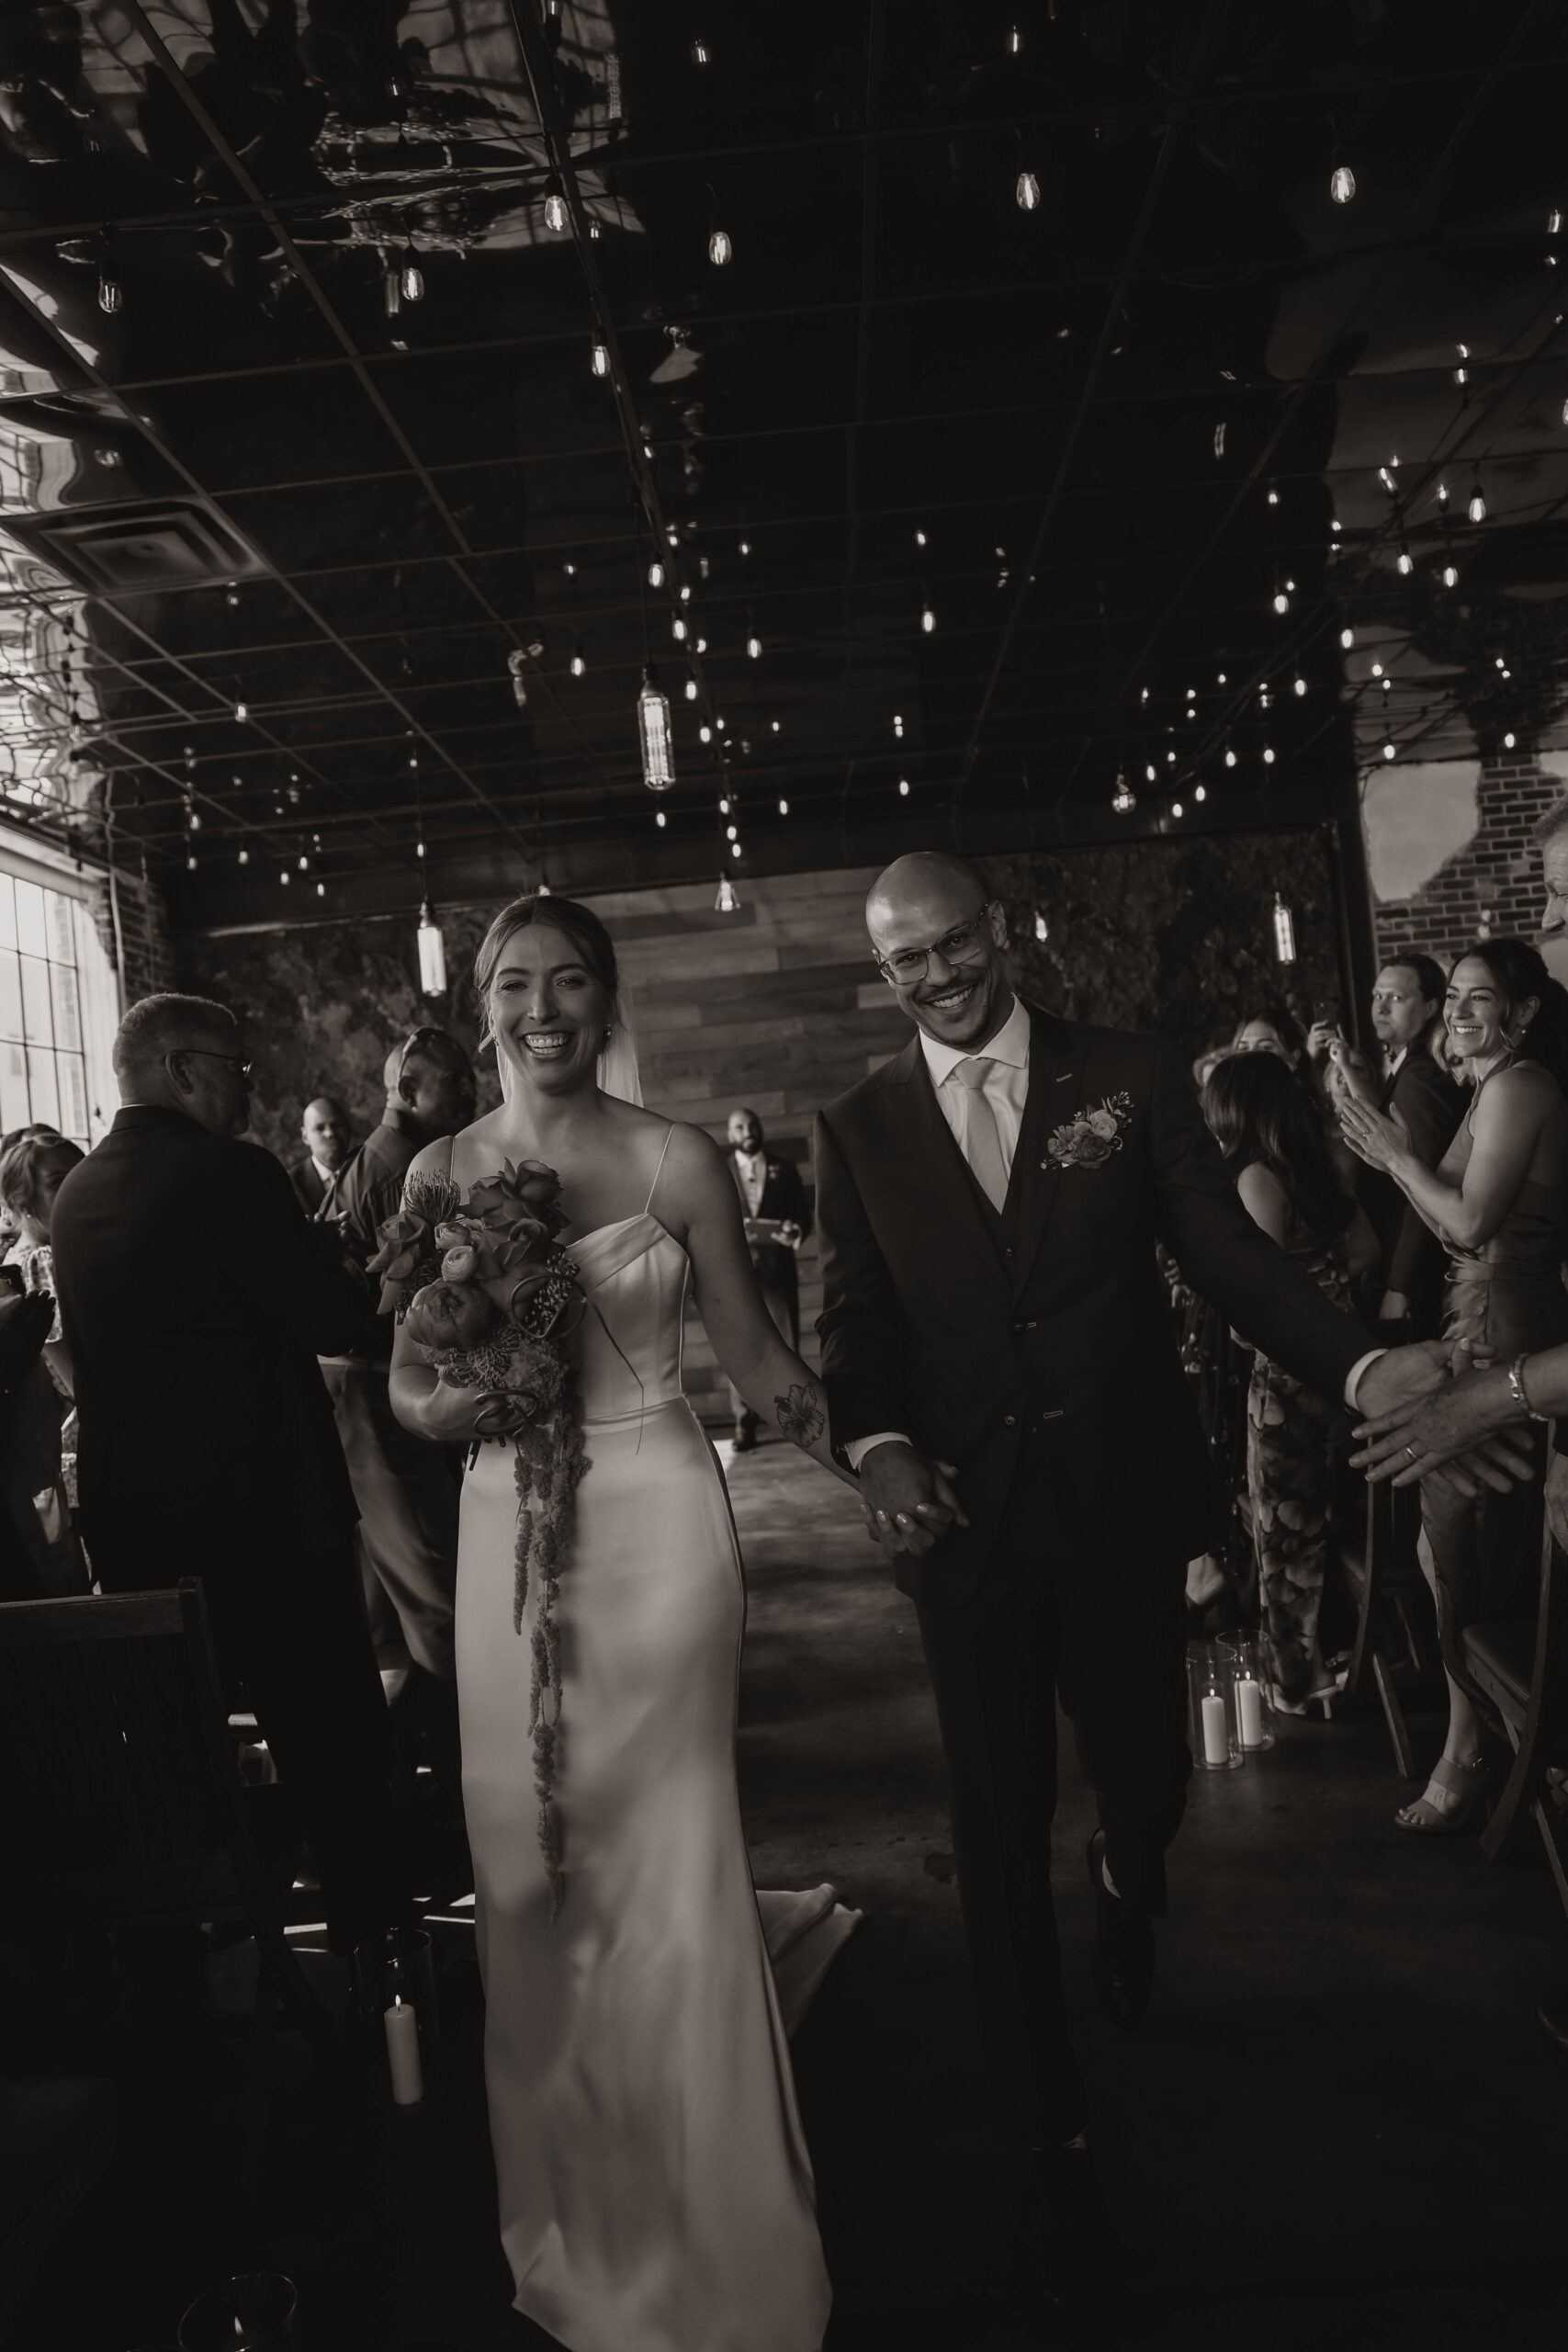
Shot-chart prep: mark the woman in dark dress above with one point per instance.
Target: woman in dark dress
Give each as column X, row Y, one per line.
column 1496, row 1202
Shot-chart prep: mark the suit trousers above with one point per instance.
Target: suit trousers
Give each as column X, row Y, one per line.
column 408, row 1521
column 1049, row 1618
column 289, row 1631
column 784, row 1306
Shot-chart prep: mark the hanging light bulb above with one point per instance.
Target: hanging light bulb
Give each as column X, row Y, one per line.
column 1028, row 192
column 659, row 816
column 1284, row 931
column 727, row 902
column 242, row 712
column 724, row 810
column 928, row 619
column 734, row 849
column 578, row 665
column 304, row 862
column 1267, row 757
column 679, row 631
column 1388, row 750
column 410, row 279
column 1230, row 759
column 653, row 728
column 1507, row 746
column 705, row 734
column 1342, row 184
column 1273, row 495
column 903, row 787
column 244, row 857
column 655, row 574
column 690, row 690
column 1177, row 809
column 898, row 725
column 190, row 865
column 1124, row 798
column 1476, row 510
column 745, row 547
column 1300, row 684
column 755, row 647
column 729, row 831
column 1347, row 639
column 1200, row 794
column 432, row 954
column 1281, row 602
column 784, row 807
column 720, row 250
column 111, row 293
column 283, row 877
column 555, row 210
column 1405, row 563
column 1012, row 42
column 699, row 52
column 601, row 360
column 1042, row 927
column 1450, row 576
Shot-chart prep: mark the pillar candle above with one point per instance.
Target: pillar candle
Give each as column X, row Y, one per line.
column 1216, row 1739
column 402, row 2052
column 1250, row 1708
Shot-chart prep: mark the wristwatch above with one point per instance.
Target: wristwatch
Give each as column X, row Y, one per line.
column 1517, row 1389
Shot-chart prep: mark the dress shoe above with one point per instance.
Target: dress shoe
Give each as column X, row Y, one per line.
column 1122, row 1963
column 1553, row 2017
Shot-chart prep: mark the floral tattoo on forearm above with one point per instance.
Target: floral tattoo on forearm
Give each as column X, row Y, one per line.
column 800, row 1413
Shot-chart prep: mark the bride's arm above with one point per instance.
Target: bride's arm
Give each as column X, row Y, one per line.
column 697, row 1199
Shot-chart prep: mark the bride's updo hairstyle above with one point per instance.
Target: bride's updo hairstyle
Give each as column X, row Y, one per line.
column 1518, row 972
column 580, row 925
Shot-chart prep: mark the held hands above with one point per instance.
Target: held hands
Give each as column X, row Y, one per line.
column 906, row 1502
column 1444, row 1429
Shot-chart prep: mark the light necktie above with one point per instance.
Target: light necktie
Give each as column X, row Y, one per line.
column 982, row 1142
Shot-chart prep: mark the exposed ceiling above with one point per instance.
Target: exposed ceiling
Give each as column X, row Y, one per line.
column 1046, row 423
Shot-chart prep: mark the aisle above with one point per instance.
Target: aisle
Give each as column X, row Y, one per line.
column 1340, row 2116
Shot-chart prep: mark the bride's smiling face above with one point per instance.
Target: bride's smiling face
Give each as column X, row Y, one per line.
column 549, row 1011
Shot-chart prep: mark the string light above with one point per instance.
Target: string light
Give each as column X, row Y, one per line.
column 734, row 849
column 1200, row 794
column 1028, row 192
column 1476, row 510
column 1273, row 495
column 690, row 690
column 1300, row 684
column 655, row 574
column 1267, row 757
column 784, row 807
column 654, row 732
column 1507, row 746
column 755, row 647
column 1388, row 750
column 1124, row 799
column 728, row 902
column 1281, row 602
column 1347, row 639
column 679, row 631
column 730, row 832
column 1450, row 576
column 555, row 209
column 1013, row 40
column 745, row 547
column 244, row 857
column 578, row 665
column 659, row 816
column 1230, row 759
column 699, row 52
column 705, row 734
column 601, row 362
column 1461, row 375
column 1342, row 184
column 321, row 889
column 720, row 250
column 1042, row 927
column 903, row 787
column 898, row 725
column 411, row 281
column 1177, row 809
column 431, row 953
column 928, row 619
column 1405, row 563
column 1284, row 931
column 111, row 293
column 242, row 712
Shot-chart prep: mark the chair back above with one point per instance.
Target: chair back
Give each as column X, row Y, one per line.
column 119, row 1771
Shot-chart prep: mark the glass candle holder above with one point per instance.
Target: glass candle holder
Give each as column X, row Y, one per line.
column 1210, row 1707
column 1250, row 1693
column 397, row 2018
column 254, row 2314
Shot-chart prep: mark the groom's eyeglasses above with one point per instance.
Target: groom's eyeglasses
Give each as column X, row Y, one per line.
column 911, row 964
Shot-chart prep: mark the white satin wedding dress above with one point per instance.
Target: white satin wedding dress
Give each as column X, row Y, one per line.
column 655, row 2190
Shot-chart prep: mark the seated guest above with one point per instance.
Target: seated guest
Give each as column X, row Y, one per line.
column 1496, row 1202
column 772, row 1203
column 1275, row 1147
column 328, row 1139
column 1407, row 1006
column 25, row 1318
column 405, row 1487
column 195, row 1299
column 31, row 1172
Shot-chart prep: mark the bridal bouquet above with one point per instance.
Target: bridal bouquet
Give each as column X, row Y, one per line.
column 485, row 1292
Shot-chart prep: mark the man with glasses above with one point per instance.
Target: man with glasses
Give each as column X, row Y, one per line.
column 195, row 1299
column 1001, row 1374
column 405, row 1487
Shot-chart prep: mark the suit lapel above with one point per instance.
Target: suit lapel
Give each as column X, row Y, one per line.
column 913, row 1109
column 1056, row 1058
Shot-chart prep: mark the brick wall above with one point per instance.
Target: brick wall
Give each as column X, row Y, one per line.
column 1492, row 886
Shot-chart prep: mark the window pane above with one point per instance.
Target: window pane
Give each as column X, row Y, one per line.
column 57, row 917
column 10, row 995
column 31, row 937
column 67, row 1021
column 38, row 1026
column 8, row 912
column 72, row 1098
column 42, row 1086
column 16, row 1108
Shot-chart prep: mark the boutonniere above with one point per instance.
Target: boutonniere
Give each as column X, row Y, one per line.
column 1091, row 1136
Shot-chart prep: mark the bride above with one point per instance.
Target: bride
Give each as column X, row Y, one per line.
column 655, row 2190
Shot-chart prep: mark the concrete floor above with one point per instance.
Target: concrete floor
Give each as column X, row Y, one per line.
column 1340, row 2125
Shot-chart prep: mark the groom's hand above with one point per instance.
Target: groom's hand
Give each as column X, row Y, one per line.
column 908, row 1502
column 1400, row 1376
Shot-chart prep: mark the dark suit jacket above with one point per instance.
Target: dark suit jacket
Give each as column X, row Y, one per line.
column 1068, row 1346
column 194, row 1300
column 309, row 1185
column 783, row 1195
column 1413, row 1259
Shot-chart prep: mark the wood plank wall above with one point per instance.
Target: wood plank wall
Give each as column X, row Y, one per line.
column 776, row 1007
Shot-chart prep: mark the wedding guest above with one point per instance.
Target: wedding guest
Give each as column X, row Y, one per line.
column 1407, row 1006
column 1275, row 1031
column 1497, row 1201
column 25, row 1319
column 328, row 1139
column 195, row 1299
column 1275, row 1148
column 405, row 1487
column 777, row 1220
column 40, row 1457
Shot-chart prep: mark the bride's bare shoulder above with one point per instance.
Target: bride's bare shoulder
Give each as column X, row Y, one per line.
column 439, row 1158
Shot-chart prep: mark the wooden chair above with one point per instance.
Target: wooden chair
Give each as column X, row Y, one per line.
column 1523, row 1669
column 123, row 1791
column 1394, row 1648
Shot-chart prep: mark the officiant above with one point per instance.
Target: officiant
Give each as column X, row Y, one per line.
column 772, row 1201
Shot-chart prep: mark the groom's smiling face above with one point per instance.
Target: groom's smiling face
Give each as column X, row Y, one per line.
column 964, row 995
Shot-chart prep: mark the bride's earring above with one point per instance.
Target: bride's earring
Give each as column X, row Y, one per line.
column 608, row 1035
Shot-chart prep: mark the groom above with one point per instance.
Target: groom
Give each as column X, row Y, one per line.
column 989, row 1204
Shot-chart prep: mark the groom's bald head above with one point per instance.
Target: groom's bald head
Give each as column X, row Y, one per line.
column 934, row 908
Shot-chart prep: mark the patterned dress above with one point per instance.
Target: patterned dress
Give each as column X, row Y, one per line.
column 1292, row 1436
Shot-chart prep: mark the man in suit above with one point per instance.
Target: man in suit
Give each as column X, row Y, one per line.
column 772, row 1203
column 405, row 1487
column 1407, row 997
column 328, row 1139
column 195, row 1299
column 1001, row 1373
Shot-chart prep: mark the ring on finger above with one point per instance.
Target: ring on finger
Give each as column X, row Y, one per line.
column 1410, row 1450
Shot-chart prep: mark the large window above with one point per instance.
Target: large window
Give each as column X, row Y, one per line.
column 43, row 1073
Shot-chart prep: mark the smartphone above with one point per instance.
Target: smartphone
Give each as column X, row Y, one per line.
column 11, row 1278
column 1324, row 1009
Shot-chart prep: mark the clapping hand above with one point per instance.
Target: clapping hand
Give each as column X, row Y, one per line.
column 1380, row 1137
column 906, row 1502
